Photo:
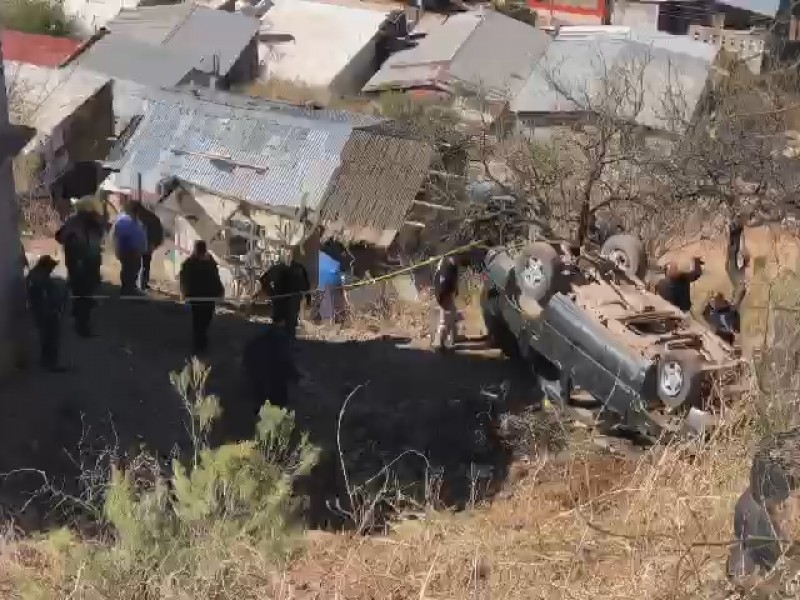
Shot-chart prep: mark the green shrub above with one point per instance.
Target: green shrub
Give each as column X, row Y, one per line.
column 194, row 533
column 35, row 16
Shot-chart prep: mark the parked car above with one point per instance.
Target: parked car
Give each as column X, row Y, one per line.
column 585, row 320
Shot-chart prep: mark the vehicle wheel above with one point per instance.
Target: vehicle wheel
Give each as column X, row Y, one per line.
column 536, row 268
column 678, row 378
column 627, row 252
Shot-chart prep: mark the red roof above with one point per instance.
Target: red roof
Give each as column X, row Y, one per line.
column 35, row 49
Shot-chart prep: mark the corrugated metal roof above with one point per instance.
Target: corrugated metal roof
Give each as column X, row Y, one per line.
column 581, row 66
column 423, row 64
column 39, row 50
column 125, row 58
column 189, row 29
column 375, row 186
column 262, row 153
column 43, row 97
column 499, row 56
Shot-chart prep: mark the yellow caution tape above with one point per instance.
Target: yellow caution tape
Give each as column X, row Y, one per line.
column 348, row 286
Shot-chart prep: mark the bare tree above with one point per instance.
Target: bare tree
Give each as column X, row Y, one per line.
column 642, row 153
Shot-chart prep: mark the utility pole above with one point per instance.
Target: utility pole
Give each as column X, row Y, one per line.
column 12, row 289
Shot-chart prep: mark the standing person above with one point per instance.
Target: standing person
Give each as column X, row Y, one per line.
column 47, row 298
column 269, row 366
column 154, row 231
column 445, row 285
column 675, row 286
column 287, row 285
column 300, row 287
column 82, row 239
column 200, row 286
column 130, row 243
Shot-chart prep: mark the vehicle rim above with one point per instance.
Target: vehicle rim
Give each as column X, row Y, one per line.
column 534, row 272
column 619, row 258
column 672, row 378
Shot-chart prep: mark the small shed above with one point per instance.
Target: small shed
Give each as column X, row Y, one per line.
column 221, row 43
column 480, row 58
column 71, row 110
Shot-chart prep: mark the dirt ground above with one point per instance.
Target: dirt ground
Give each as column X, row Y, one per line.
column 117, row 393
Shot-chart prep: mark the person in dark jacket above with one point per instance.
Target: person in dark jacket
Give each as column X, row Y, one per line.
column 155, row 237
column 676, row 285
column 269, row 366
column 762, row 515
column 82, row 239
column 47, row 298
column 722, row 315
column 287, row 285
column 200, row 286
column 445, row 285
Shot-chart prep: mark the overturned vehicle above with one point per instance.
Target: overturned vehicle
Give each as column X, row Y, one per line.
column 585, row 321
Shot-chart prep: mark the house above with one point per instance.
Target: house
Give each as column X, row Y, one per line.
column 673, row 73
column 90, row 16
column 321, row 45
column 573, row 12
column 671, row 16
column 71, row 111
column 480, row 54
column 238, row 171
column 165, row 46
column 748, row 45
column 38, row 50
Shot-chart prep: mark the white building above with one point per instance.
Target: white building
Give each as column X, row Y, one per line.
column 320, row 45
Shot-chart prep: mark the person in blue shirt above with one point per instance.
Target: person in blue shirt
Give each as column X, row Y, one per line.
column 130, row 243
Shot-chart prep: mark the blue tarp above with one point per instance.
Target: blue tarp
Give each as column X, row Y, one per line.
column 330, row 271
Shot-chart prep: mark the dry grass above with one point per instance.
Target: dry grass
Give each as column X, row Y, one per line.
column 592, row 525
column 299, row 93
column 548, row 540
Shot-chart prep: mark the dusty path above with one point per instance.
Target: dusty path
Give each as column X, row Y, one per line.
column 118, row 392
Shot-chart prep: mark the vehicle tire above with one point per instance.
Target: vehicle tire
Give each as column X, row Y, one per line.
column 627, row 252
column 536, row 268
column 499, row 334
column 678, row 378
